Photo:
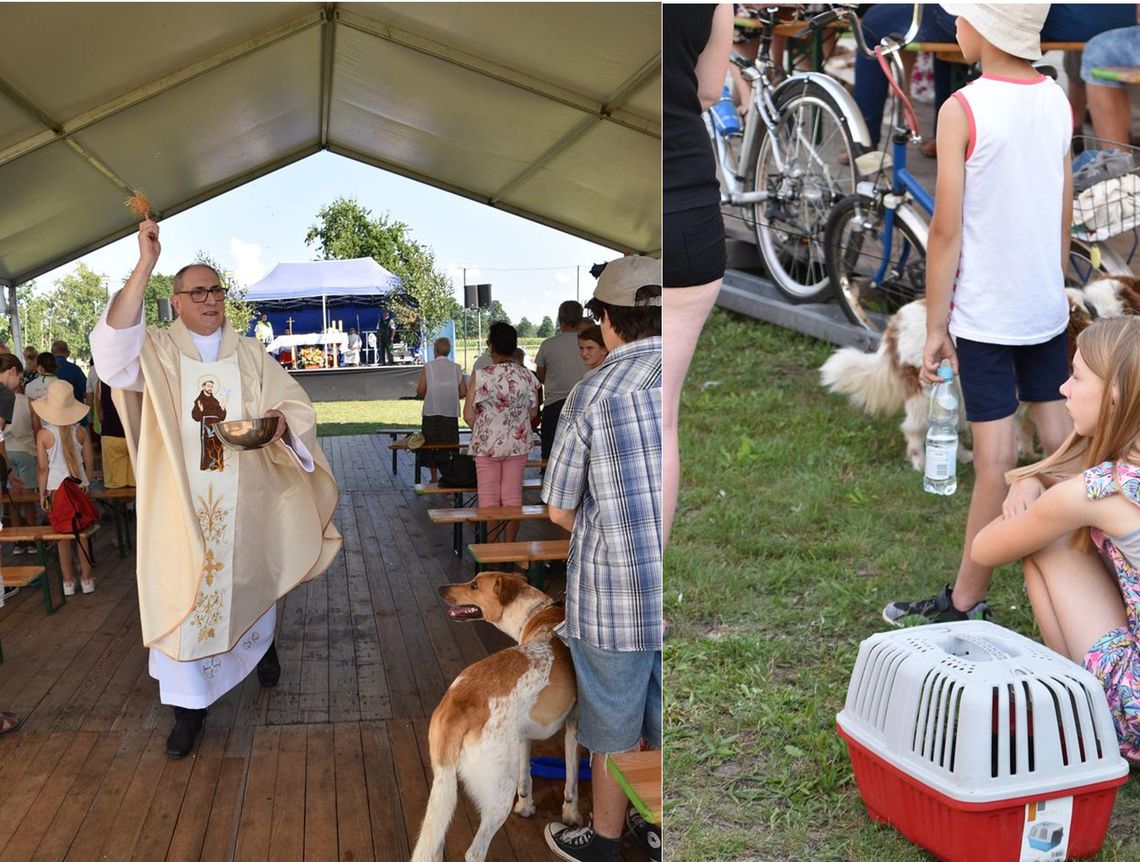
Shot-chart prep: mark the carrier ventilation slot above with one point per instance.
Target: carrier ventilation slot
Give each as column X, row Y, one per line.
column 888, row 687
column 1060, row 723
column 956, row 716
column 1082, row 721
column 1092, row 718
column 918, row 741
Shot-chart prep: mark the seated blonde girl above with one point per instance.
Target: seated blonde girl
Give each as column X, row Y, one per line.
column 1074, row 522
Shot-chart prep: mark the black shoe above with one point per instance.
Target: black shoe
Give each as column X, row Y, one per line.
column 649, row 834
column 269, row 668
column 187, row 724
column 939, row 609
column 581, row 844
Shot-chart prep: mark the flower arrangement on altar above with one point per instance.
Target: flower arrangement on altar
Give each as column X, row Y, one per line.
column 312, row 357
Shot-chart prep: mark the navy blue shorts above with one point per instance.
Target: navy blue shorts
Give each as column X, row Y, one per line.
column 995, row 377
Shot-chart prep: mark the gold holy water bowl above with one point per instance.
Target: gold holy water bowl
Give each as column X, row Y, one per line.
column 244, row 434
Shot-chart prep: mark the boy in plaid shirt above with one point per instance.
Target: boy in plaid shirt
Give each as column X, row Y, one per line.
column 603, row 483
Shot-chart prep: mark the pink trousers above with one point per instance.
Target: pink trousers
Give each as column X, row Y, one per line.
column 500, row 480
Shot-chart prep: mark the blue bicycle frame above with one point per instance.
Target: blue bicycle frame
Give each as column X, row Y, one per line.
column 903, row 183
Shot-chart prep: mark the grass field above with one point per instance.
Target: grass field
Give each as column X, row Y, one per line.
column 338, row 418
column 799, row 519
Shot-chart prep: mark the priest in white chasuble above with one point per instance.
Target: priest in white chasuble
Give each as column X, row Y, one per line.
column 221, row 535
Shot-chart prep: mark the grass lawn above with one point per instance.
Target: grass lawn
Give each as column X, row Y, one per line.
column 338, row 418
column 799, row 519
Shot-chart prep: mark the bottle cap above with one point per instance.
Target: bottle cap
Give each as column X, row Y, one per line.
column 945, row 372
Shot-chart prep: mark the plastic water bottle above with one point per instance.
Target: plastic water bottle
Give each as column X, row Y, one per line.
column 941, row 476
column 725, row 118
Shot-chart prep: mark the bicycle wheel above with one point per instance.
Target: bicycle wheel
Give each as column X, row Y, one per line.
column 855, row 251
column 811, row 138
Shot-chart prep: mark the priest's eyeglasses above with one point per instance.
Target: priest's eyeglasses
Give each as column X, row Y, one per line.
column 199, row 294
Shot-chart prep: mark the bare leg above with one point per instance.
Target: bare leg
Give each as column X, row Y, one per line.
column 84, row 564
column 685, row 311
column 65, row 565
column 609, row 800
column 995, row 452
column 1110, row 112
column 1054, row 424
column 1083, row 594
column 1043, row 610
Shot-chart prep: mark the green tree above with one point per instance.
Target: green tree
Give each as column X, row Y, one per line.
column 525, row 328
column 546, row 328
column 345, row 230
column 496, row 313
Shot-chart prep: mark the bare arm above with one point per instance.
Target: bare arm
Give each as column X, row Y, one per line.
column 712, row 64
column 1060, row 510
column 125, row 309
column 564, row 518
column 88, row 453
column 1067, row 213
column 469, row 404
column 945, row 239
column 421, row 384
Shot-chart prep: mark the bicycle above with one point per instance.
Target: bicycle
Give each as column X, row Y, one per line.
column 792, row 160
column 875, row 239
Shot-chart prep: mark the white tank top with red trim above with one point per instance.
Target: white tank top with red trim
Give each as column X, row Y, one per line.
column 1010, row 286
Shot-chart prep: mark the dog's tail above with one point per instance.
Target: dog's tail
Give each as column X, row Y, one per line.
column 444, row 791
column 440, row 808
column 867, row 379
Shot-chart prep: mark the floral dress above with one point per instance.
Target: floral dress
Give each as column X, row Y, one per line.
column 1115, row 658
column 505, row 393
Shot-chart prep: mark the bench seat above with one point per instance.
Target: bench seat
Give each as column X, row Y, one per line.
column 496, row 553
column 28, row 576
column 489, row 513
column 426, row 489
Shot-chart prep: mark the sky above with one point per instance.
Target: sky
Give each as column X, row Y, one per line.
column 531, row 268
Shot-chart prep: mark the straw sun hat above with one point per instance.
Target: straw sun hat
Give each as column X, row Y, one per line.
column 1012, row 27
column 58, row 405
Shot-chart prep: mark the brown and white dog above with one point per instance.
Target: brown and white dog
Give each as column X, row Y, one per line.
column 887, row 380
column 482, row 729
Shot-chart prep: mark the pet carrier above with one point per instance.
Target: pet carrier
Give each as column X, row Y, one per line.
column 980, row 744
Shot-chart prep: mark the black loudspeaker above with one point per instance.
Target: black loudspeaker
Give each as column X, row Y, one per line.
column 470, row 295
column 484, row 295
column 165, row 310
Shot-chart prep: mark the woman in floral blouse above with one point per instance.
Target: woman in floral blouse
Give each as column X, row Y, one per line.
column 502, row 399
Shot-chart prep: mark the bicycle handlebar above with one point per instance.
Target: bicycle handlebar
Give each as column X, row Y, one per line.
column 888, row 43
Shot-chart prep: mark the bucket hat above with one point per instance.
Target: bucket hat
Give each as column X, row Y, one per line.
column 1012, row 27
column 58, row 405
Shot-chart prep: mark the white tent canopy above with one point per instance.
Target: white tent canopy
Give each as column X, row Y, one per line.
column 550, row 111
column 360, row 276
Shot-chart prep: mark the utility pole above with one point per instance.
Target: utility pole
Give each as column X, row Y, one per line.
column 464, row 305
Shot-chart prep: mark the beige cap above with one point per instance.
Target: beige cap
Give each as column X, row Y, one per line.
column 1011, row 27
column 58, row 405
column 622, row 278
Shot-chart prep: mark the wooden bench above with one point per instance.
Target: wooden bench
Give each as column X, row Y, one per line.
column 116, row 498
column 639, row 774
column 480, row 517
column 26, row 576
column 528, row 553
column 42, row 535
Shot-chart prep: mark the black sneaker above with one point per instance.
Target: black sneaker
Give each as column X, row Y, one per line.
column 647, row 833
column 582, row 844
column 939, row 609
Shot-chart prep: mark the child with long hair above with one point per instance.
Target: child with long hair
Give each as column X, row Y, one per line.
column 1074, row 521
column 63, row 449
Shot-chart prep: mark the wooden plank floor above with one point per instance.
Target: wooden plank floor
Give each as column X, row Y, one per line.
column 330, row 764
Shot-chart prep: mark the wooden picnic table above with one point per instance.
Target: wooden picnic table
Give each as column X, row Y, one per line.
column 951, row 53
column 639, row 774
column 479, row 517
column 404, row 431
column 116, row 498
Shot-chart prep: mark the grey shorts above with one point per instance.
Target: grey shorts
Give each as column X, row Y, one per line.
column 619, row 697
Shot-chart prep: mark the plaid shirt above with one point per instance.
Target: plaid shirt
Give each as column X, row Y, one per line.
column 606, row 464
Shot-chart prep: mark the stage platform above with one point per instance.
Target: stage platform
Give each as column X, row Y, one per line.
column 363, row 383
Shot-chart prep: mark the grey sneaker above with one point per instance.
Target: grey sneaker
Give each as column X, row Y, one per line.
column 939, row 609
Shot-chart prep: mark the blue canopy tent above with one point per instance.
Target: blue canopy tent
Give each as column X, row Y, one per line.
column 311, row 294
